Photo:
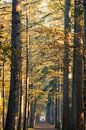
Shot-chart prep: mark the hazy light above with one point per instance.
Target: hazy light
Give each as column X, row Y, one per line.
column 8, row 1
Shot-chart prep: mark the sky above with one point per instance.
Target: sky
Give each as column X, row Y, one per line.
column 7, row 0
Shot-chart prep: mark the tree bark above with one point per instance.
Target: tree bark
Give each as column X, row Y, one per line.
column 52, row 112
column 84, row 90
column 66, row 109
column 13, row 105
column 20, row 121
column 32, row 113
column 77, row 87
column 25, row 126
column 56, row 114
column 3, row 89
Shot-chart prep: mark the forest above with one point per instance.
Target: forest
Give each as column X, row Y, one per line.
column 42, row 64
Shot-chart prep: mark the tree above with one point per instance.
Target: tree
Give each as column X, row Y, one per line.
column 67, row 29
column 84, row 90
column 25, row 125
column 77, row 86
column 13, row 106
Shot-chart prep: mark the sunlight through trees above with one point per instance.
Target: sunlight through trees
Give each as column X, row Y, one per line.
column 42, row 64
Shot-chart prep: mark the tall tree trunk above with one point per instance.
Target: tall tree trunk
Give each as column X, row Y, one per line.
column 48, row 112
column 52, row 112
column 3, row 88
column 66, row 109
column 49, row 105
column 20, row 121
column 59, row 112
column 77, row 87
column 32, row 113
column 56, row 114
column 84, row 90
column 13, row 105
column 25, row 126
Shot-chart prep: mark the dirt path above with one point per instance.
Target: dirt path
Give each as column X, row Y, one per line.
column 45, row 126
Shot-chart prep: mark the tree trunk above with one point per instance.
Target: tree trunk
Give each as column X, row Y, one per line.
column 32, row 113
column 66, row 109
column 49, row 107
column 59, row 112
column 3, row 88
column 77, row 87
column 52, row 112
column 84, row 90
column 20, row 122
column 48, row 112
column 25, row 126
column 13, row 105
column 56, row 114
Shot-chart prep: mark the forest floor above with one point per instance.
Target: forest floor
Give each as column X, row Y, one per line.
column 44, row 126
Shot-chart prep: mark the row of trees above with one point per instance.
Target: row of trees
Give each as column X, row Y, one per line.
column 24, row 62
column 75, row 114
column 47, row 60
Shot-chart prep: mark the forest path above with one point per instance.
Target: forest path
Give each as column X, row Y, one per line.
column 45, row 126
